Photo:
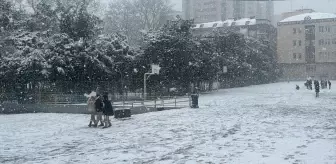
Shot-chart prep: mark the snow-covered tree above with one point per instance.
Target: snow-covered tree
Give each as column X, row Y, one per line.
column 173, row 49
column 60, row 60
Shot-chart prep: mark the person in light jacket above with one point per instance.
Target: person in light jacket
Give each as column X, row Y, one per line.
column 92, row 110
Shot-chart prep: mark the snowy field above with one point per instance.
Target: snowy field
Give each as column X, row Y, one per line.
column 271, row 124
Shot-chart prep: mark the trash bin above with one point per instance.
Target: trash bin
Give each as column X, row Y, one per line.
column 194, row 101
column 122, row 113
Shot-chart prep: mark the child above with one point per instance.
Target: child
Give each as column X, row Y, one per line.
column 107, row 110
column 92, row 110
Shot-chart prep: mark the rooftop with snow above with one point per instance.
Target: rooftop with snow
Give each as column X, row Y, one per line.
column 232, row 22
column 309, row 16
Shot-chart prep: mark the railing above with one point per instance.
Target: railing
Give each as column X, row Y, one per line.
column 163, row 102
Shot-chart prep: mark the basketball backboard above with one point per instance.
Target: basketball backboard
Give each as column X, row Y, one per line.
column 156, row 69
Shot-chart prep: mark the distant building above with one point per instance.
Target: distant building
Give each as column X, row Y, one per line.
column 216, row 10
column 260, row 29
column 306, row 46
column 249, row 27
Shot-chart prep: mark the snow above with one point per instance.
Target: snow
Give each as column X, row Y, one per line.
column 227, row 23
column 313, row 15
column 242, row 22
column 271, row 123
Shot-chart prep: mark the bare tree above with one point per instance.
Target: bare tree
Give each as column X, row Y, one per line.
column 122, row 17
column 152, row 12
column 130, row 17
column 92, row 5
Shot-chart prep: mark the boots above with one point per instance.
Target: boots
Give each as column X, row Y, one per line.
column 101, row 123
column 94, row 124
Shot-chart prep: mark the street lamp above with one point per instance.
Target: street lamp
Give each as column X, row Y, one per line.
column 122, row 82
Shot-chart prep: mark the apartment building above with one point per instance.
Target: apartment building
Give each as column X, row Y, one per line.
column 249, row 27
column 306, row 46
column 216, row 10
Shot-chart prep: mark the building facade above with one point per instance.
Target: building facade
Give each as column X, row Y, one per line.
column 306, row 46
column 249, row 27
column 219, row 10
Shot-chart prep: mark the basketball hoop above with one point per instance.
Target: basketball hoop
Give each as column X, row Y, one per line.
column 155, row 69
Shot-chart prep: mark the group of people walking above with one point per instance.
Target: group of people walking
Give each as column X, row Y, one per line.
column 324, row 85
column 98, row 107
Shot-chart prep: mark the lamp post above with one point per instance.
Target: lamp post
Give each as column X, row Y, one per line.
column 122, row 84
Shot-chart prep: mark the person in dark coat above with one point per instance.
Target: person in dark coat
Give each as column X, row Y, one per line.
column 297, row 87
column 99, row 108
column 329, row 83
column 107, row 110
column 317, row 88
column 306, row 84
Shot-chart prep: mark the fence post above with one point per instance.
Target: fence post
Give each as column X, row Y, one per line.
column 175, row 101
column 154, row 103
column 163, row 102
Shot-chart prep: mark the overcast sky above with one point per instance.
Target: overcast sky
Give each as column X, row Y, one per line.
column 288, row 5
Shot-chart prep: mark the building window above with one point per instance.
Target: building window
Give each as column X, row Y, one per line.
column 299, row 42
column 327, row 28
column 334, row 41
column 327, row 42
column 294, row 30
column 300, row 56
column 294, row 42
column 300, row 30
column 320, row 54
column 294, row 56
column 321, row 28
column 321, row 42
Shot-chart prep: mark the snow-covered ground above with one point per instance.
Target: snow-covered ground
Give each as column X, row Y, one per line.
column 268, row 124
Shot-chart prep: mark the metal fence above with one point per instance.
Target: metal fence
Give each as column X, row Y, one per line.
column 130, row 100
column 162, row 102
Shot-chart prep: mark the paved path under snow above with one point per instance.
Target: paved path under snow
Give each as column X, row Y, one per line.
column 259, row 124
